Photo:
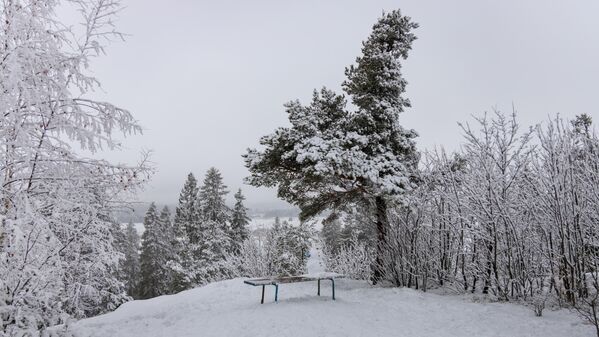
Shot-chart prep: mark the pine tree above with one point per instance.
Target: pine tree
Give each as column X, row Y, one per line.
column 212, row 198
column 168, row 238
column 332, row 158
column 185, row 236
column 239, row 223
column 154, row 256
column 186, row 221
column 211, row 255
column 214, row 243
column 130, row 266
column 212, row 208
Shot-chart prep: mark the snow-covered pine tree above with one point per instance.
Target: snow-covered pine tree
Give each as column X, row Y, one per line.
column 168, row 237
column 155, row 249
column 186, row 221
column 239, row 223
column 214, row 241
column 333, row 158
column 210, row 263
column 130, row 266
column 186, row 234
column 212, row 198
column 212, row 206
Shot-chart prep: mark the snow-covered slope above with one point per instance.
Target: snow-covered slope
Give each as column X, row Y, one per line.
column 231, row 308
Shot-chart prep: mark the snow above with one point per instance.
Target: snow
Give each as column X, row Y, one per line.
column 231, row 308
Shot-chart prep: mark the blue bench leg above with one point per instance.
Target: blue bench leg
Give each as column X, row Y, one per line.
column 318, row 287
column 333, row 283
column 276, row 292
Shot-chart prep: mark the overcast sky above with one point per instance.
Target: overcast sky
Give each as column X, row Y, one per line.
column 206, row 79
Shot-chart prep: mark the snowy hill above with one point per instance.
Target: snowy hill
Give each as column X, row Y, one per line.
column 231, row 308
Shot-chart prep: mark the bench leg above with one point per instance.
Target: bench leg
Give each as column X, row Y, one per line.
column 262, row 301
column 276, row 292
column 333, row 283
column 318, row 287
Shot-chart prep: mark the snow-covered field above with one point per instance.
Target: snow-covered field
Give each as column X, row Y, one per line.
column 231, row 308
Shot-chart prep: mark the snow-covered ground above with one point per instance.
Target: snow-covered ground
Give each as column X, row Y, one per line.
column 231, row 308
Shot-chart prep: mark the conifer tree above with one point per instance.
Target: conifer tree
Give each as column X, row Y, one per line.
column 332, row 158
column 239, row 223
column 185, row 236
column 211, row 255
column 154, row 257
column 186, row 221
column 212, row 208
column 212, row 198
column 214, row 242
column 168, row 238
column 130, row 266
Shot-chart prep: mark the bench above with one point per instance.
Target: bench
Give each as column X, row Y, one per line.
column 275, row 281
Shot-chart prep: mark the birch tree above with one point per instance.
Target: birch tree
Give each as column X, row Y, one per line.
column 56, row 203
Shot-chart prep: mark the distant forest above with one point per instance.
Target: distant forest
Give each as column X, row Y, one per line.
column 137, row 211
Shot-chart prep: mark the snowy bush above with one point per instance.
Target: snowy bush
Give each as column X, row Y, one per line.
column 353, row 259
column 282, row 252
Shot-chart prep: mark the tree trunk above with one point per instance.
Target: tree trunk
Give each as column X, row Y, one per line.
column 382, row 223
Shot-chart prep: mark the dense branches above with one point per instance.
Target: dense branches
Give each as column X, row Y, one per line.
column 56, row 243
column 513, row 214
column 333, row 158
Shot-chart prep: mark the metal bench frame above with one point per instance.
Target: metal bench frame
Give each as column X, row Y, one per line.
column 291, row 279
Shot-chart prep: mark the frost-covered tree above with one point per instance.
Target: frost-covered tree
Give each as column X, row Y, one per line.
column 155, row 252
column 330, row 157
column 186, row 234
column 239, row 223
column 212, row 198
column 55, row 234
column 130, row 266
column 214, row 240
column 186, row 220
column 210, row 256
column 285, row 249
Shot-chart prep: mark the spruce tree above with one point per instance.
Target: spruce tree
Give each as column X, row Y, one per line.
column 333, row 158
column 154, row 256
column 211, row 255
column 130, row 265
column 214, row 243
column 186, row 221
column 239, row 223
column 212, row 208
column 212, row 198
column 168, row 238
column 185, row 236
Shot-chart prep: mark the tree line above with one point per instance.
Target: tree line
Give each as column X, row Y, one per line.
column 206, row 241
column 190, row 249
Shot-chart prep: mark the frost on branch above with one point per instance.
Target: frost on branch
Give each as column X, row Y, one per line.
column 56, row 237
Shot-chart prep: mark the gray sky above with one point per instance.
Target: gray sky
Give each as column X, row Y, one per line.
column 206, row 79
